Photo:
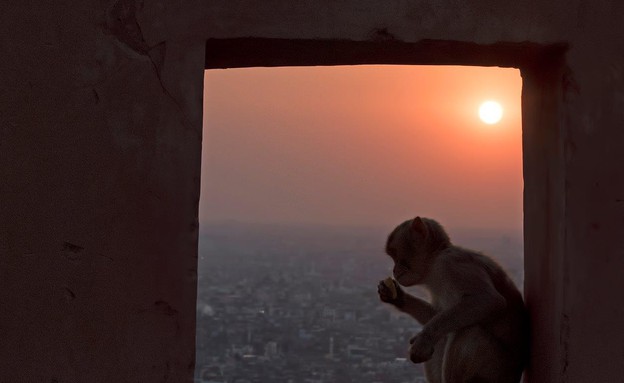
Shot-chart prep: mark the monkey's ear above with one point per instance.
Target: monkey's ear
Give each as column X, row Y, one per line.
column 419, row 226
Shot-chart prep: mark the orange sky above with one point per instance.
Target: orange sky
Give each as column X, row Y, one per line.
column 362, row 145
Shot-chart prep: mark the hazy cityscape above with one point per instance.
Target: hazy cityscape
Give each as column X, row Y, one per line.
column 298, row 304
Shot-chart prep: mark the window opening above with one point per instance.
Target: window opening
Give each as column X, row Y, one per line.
column 305, row 172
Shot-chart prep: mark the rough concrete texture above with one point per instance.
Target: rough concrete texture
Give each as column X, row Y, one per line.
column 100, row 145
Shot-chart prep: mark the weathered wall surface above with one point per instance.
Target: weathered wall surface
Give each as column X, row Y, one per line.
column 100, row 144
column 100, row 151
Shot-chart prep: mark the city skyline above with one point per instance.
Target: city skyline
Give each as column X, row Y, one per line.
column 296, row 304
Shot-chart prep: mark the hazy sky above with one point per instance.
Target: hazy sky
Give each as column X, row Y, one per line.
column 362, row 145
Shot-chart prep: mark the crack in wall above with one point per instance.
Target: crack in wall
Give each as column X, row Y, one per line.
column 121, row 22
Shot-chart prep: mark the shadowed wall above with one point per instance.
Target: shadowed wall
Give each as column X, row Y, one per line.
column 100, row 145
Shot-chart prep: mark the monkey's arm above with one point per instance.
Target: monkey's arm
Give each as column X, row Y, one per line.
column 417, row 308
column 478, row 300
column 470, row 310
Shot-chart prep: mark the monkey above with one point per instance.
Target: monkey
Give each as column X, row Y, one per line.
column 475, row 330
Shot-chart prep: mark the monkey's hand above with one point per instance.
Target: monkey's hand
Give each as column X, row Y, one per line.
column 387, row 294
column 421, row 348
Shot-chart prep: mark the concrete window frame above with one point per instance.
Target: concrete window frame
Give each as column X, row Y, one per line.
column 542, row 68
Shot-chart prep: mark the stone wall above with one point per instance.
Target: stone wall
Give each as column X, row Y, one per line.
column 100, row 145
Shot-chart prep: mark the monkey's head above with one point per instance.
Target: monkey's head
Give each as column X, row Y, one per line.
column 413, row 246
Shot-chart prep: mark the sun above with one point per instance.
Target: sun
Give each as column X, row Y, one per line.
column 490, row 112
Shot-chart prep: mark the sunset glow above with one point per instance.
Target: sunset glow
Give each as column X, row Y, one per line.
column 362, row 145
column 490, row 112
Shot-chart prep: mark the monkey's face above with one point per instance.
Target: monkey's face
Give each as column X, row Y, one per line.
column 407, row 250
column 409, row 268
